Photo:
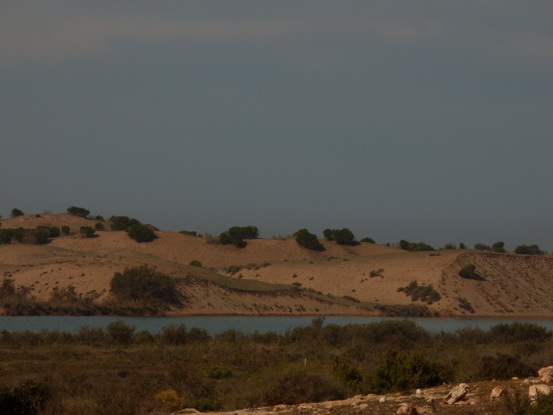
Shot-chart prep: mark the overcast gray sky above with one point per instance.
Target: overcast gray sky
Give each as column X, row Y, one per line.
column 420, row 120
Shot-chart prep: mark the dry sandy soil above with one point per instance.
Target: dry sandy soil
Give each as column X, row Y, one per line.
column 511, row 285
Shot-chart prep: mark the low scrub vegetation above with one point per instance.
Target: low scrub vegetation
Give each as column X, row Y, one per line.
column 118, row 370
column 469, row 272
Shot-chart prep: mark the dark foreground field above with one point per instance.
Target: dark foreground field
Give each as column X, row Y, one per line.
column 119, row 371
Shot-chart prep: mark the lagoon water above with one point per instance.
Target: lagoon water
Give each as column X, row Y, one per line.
column 214, row 325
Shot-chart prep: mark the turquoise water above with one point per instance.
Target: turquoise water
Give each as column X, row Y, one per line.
column 214, row 325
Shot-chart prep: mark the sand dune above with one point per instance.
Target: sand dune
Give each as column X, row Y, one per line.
column 511, row 284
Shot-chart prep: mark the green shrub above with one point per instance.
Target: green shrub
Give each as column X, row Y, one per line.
column 237, row 234
column 145, row 285
column 16, row 212
column 37, row 236
column 296, row 387
column 424, row 293
column 6, row 236
column 528, row 250
column 368, row 240
column 195, row 263
column 65, row 230
column 308, row 240
column 120, row 332
column 499, row 247
column 340, row 236
column 78, row 211
column 469, row 272
column 405, row 371
column 141, row 233
column 99, row 226
column 519, row 332
column 206, row 404
column 465, row 304
column 122, row 223
column 415, row 246
column 482, row 247
column 503, row 366
column 87, row 231
column 189, row 233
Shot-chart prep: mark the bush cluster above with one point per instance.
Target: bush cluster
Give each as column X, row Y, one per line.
column 237, row 234
column 340, row 236
column 415, row 246
column 308, row 240
column 528, row 250
column 37, row 236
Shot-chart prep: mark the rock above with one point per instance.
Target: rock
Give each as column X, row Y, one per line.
column 515, row 378
column 457, row 394
column 497, row 392
column 546, row 374
column 534, row 392
column 418, row 392
column 382, row 400
column 406, row 409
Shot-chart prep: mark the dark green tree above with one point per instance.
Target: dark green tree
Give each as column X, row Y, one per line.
column 499, row 246
column 16, row 212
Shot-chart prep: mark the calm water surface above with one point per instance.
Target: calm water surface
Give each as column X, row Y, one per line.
column 214, row 325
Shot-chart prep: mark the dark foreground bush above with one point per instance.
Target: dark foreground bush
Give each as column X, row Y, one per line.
column 297, row 387
column 27, row 398
column 503, row 366
column 406, row 371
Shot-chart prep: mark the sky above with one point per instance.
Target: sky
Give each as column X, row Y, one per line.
column 426, row 121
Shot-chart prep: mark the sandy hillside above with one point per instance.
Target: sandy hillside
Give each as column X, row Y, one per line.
column 508, row 284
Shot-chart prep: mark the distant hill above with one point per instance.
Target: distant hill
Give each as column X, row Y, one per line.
column 277, row 276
